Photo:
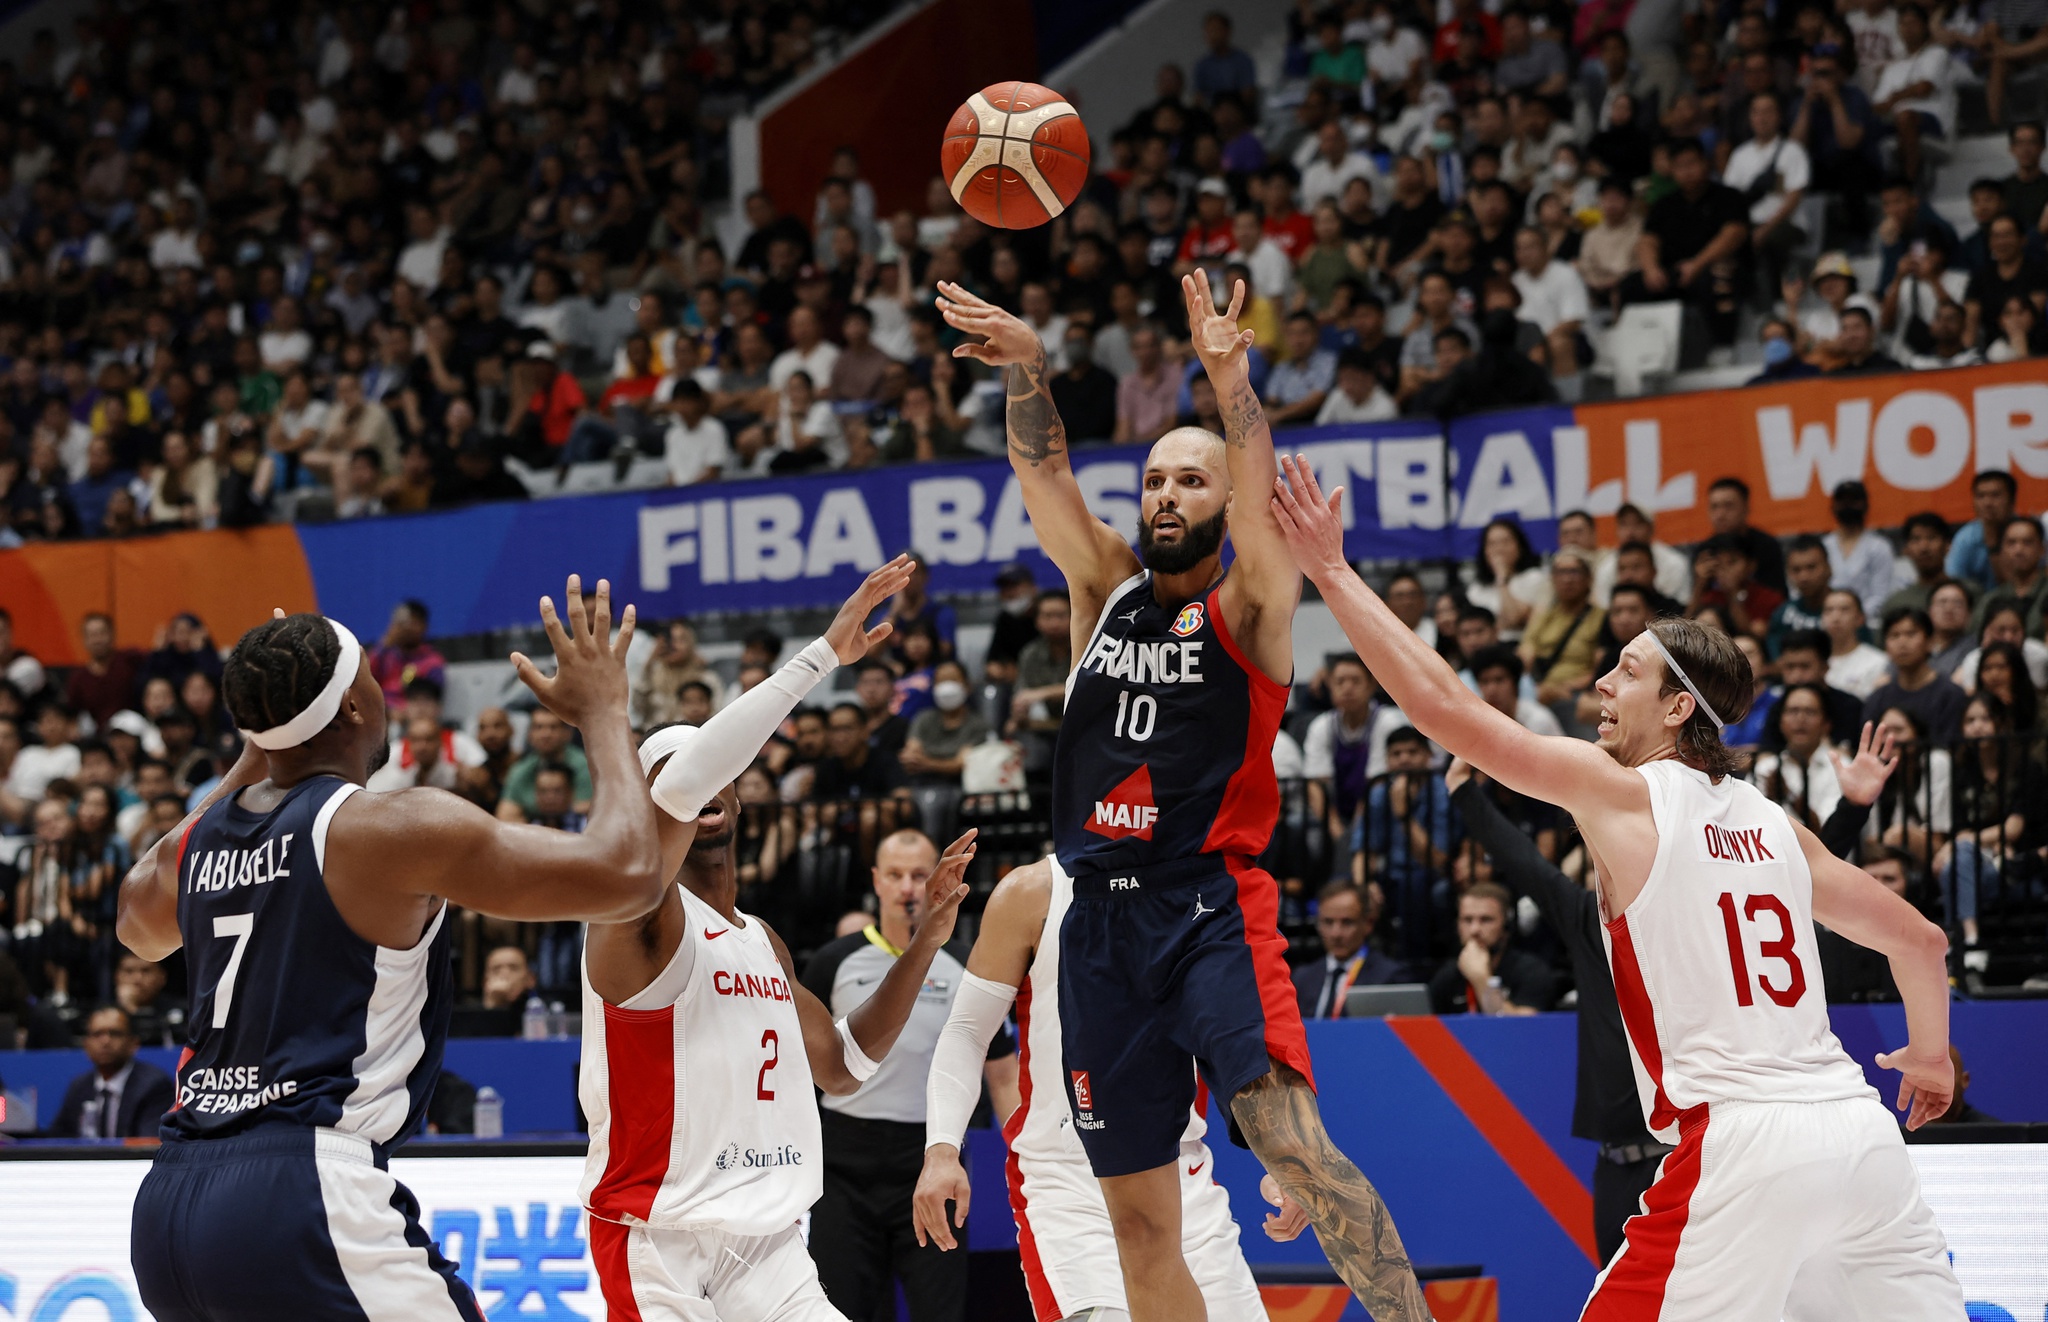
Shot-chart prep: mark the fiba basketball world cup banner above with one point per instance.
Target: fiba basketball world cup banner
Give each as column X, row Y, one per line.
column 1414, row 491
column 1914, row 439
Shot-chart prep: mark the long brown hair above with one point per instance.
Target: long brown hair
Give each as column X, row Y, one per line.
column 1721, row 672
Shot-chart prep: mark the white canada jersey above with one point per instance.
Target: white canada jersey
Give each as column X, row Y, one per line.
column 698, row 1091
column 1715, row 963
column 1042, row 1127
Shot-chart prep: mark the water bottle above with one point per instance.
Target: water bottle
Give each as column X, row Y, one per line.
column 490, row 1113
column 533, row 1025
column 558, row 1020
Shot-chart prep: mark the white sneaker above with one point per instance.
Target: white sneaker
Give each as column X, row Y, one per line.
column 1975, row 960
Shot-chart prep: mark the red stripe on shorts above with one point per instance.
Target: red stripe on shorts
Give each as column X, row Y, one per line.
column 640, row 1089
column 1258, row 900
column 1632, row 1288
column 608, row 1241
column 1044, row 1306
column 1640, row 1019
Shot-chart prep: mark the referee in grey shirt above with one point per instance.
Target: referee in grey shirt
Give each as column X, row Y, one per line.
column 861, row 1233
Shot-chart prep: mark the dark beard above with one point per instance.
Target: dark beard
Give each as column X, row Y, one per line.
column 379, row 756
column 1197, row 543
column 711, row 844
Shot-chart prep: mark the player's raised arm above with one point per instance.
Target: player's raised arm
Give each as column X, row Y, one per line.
column 845, row 1054
column 1569, row 772
column 1091, row 554
column 1010, row 930
column 431, row 842
column 1269, row 572
column 1849, row 901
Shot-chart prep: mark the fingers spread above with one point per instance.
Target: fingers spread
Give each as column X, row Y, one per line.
column 1236, row 300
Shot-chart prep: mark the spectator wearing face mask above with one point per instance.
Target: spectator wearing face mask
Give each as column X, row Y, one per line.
column 940, row 735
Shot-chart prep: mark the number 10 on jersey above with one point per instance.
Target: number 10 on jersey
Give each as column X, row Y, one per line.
column 1136, row 716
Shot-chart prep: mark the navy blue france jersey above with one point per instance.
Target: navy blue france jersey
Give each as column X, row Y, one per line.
column 294, row 1019
column 1165, row 749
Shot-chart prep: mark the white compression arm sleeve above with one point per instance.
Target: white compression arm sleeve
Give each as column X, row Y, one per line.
column 953, row 1088
column 731, row 740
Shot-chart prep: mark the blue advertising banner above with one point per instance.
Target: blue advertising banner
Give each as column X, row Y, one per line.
column 756, row 545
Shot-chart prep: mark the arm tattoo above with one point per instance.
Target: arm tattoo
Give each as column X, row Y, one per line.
column 1036, row 432
column 1278, row 1117
column 1241, row 414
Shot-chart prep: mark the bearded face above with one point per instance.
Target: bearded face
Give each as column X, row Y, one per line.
column 1185, row 544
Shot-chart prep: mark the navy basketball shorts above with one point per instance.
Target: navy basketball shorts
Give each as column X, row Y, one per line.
column 284, row 1221
column 1178, row 964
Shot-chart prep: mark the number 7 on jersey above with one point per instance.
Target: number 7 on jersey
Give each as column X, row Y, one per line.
column 238, row 926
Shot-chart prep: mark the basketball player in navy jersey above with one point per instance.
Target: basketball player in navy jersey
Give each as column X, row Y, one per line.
column 1163, row 795
column 314, row 920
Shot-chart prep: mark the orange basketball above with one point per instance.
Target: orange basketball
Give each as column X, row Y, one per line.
column 1015, row 155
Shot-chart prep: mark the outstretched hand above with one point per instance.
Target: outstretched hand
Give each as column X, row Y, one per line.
column 848, row 633
column 590, row 667
column 944, row 891
column 1862, row 777
column 1007, row 339
column 1927, row 1084
column 1312, row 524
column 1214, row 335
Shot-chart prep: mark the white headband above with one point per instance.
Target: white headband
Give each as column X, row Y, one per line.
column 1685, row 679
column 322, row 709
column 664, row 742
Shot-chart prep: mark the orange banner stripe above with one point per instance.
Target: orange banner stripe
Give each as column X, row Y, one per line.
column 1501, row 1124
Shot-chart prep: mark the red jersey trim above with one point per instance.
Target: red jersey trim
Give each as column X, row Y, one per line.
column 640, row 1092
column 1044, row 1306
column 1640, row 1019
column 1251, row 797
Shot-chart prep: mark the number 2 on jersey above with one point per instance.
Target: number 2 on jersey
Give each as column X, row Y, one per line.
column 1778, row 947
column 773, row 1044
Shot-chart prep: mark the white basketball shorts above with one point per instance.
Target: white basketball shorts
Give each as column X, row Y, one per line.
column 1069, row 1250
column 1805, row 1211
column 656, row 1275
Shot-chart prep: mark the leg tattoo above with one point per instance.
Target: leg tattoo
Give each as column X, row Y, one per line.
column 1279, row 1119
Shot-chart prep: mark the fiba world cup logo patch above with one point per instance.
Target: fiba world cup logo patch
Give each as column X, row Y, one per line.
column 1189, row 619
column 729, row 1158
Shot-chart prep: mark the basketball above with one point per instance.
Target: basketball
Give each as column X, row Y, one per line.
column 1015, row 155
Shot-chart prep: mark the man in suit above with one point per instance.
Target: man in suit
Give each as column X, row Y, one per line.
column 1344, row 920
column 120, row 1096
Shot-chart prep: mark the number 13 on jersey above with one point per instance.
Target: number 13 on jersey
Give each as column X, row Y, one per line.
column 1734, row 912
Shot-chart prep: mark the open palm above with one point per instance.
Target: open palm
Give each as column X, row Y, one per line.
column 1863, row 776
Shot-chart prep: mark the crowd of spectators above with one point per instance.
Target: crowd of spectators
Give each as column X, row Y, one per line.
column 1933, row 635
column 265, row 262
column 268, row 262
